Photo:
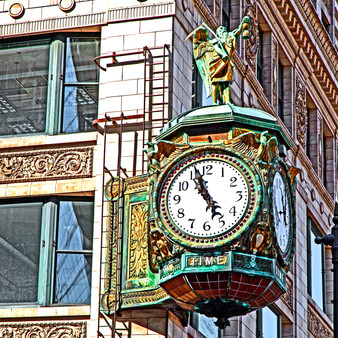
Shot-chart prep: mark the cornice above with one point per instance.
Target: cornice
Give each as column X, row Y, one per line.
column 205, row 14
column 326, row 77
column 87, row 20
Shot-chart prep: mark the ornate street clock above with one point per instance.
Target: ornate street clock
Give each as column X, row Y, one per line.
column 208, row 198
column 282, row 200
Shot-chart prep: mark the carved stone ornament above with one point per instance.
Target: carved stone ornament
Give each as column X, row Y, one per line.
column 251, row 45
column 316, row 326
column 138, row 249
column 43, row 330
column 301, row 116
column 46, row 165
column 287, row 298
column 274, row 73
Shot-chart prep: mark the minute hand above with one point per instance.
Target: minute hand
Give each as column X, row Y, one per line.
column 202, row 189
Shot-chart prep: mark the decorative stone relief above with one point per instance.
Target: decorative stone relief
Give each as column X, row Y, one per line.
column 46, row 165
column 274, row 73
column 251, row 45
column 287, row 297
column 316, row 327
column 301, row 116
column 43, row 330
column 138, row 236
column 217, row 10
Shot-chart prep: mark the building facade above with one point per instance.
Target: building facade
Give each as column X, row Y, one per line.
column 69, row 124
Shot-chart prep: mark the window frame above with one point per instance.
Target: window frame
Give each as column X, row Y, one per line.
column 48, row 242
column 259, row 62
column 55, row 81
column 259, row 322
column 280, row 96
column 312, row 227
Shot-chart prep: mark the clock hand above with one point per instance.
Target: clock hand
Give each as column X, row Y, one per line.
column 202, row 189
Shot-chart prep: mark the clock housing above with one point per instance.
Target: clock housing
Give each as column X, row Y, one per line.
column 207, row 198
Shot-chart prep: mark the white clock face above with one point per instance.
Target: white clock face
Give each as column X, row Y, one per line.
column 207, row 197
column 281, row 211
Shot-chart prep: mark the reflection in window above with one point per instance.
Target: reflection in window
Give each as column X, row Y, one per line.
column 199, row 97
column 23, row 87
column 315, row 266
column 268, row 323
column 81, row 85
column 74, row 245
column 19, row 252
column 27, row 251
column 31, row 82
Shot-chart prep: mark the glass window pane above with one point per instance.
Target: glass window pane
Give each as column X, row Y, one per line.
column 20, row 227
column 73, row 278
column 80, row 54
column 79, row 108
column 270, row 323
column 75, row 228
column 316, row 272
column 73, row 270
column 23, row 87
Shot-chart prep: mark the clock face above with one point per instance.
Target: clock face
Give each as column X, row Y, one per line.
column 208, row 199
column 281, row 212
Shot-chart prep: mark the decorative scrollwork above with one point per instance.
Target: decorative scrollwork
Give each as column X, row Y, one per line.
column 316, row 327
column 46, row 165
column 43, row 330
column 251, row 45
column 301, row 115
column 138, row 236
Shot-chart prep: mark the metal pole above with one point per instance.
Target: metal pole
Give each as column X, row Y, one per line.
column 332, row 240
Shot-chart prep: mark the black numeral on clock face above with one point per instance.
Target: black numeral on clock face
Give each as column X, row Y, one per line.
column 177, row 199
column 192, row 222
column 206, row 226
column 233, row 211
column 180, row 213
column 183, row 186
column 233, row 183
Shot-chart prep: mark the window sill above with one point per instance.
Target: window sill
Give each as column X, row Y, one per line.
column 48, row 311
column 66, row 140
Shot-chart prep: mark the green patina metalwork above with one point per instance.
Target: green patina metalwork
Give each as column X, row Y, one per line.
column 226, row 261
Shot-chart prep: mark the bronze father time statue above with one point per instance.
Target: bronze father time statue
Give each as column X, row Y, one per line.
column 214, row 57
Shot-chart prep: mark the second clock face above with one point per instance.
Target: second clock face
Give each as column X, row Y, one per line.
column 208, row 200
column 207, row 197
column 281, row 212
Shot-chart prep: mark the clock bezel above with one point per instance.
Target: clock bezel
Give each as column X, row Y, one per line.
column 279, row 166
column 226, row 238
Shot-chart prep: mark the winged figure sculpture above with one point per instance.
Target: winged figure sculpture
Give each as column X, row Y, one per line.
column 214, row 57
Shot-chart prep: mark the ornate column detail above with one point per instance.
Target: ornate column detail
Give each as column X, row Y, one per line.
column 43, row 330
column 301, row 116
column 316, row 326
column 251, row 45
column 46, row 165
column 320, row 146
column 138, row 239
column 274, row 73
column 217, row 11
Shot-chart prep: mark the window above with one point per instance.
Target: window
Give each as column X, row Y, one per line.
column 45, row 251
column 205, row 325
column 199, row 97
column 226, row 14
column 315, row 266
column 48, row 85
column 268, row 323
column 260, row 57
column 280, row 98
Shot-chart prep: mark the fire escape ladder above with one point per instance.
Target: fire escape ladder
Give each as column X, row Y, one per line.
column 112, row 215
column 156, row 93
column 148, row 123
